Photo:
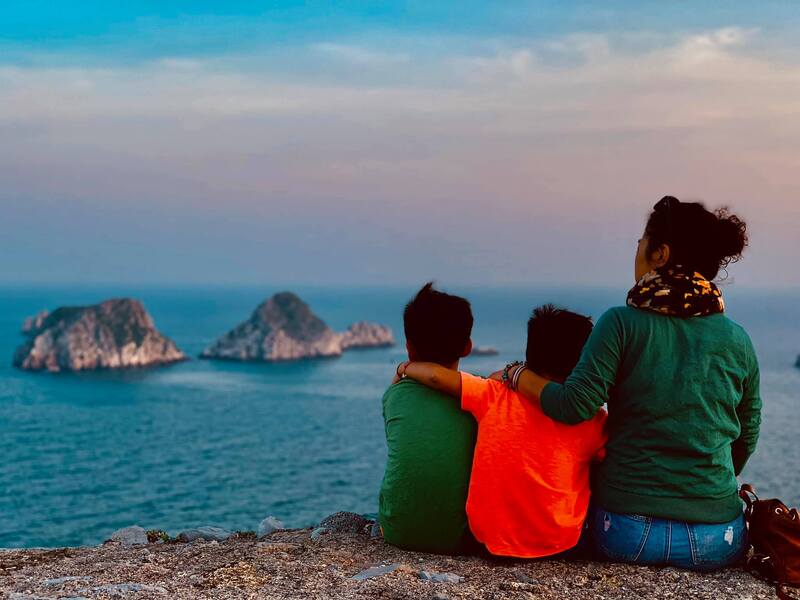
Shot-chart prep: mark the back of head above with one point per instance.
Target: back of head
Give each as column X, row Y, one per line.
column 438, row 326
column 555, row 341
column 699, row 239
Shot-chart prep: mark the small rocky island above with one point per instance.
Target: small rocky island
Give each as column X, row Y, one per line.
column 114, row 334
column 284, row 328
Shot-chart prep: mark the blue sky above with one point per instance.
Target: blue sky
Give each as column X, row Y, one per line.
column 137, row 30
column 361, row 142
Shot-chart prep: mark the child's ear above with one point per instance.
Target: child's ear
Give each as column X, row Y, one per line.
column 467, row 349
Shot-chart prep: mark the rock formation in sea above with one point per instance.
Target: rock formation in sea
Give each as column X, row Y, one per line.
column 284, row 328
column 114, row 334
column 797, row 362
column 367, row 335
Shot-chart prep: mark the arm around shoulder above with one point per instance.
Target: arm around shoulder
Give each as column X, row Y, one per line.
column 589, row 386
column 435, row 376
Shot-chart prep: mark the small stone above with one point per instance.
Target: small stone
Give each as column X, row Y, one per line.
column 217, row 534
column 318, row 533
column 523, row 577
column 119, row 589
column 62, row 580
column 268, row 526
column 375, row 530
column 518, row 586
column 375, row 572
column 130, row 536
column 344, row 522
column 441, row 596
column 435, row 577
column 279, row 547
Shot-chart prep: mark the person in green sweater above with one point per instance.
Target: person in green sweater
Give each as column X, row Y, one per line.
column 430, row 441
column 681, row 382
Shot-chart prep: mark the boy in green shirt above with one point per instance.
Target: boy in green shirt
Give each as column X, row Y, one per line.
column 430, row 440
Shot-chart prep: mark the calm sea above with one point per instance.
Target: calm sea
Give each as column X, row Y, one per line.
column 218, row 443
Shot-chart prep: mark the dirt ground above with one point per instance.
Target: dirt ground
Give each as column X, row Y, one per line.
column 289, row 564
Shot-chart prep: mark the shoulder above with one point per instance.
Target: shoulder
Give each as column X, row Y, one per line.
column 740, row 337
column 616, row 320
column 735, row 328
column 624, row 314
column 476, row 385
column 409, row 393
column 407, row 388
column 402, row 391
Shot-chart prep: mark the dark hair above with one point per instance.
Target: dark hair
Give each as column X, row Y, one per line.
column 698, row 239
column 555, row 340
column 438, row 325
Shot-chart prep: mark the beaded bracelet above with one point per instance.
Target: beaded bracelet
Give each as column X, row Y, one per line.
column 506, row 378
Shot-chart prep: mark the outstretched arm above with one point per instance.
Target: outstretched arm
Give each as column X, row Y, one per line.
column 433, row 376
column 589, row 386
column 529, row 384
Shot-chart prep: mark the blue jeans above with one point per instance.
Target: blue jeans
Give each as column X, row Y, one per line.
column 645, row 540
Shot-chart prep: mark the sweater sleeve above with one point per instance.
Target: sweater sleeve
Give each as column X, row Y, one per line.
column 589, row 385
column 749, row 413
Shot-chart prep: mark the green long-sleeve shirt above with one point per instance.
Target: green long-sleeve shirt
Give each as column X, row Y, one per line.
column 684, row 412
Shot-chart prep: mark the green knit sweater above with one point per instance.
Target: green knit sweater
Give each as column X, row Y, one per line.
column 684, row 412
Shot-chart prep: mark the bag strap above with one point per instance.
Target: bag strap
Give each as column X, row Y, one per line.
column 748, row 494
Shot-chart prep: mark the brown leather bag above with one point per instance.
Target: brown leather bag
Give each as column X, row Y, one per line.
column 774, row 533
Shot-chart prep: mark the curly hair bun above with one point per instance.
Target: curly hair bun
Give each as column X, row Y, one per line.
column 731, row 237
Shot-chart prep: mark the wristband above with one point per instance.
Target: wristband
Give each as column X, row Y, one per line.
column 515, row 377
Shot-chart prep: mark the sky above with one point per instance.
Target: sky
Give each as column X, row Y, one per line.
column 504, row 143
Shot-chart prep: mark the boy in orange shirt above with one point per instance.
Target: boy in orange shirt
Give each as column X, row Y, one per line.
column 529, row 489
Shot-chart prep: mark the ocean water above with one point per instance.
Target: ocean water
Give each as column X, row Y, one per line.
column 220, row 443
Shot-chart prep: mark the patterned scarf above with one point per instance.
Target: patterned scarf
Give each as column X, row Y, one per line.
column 674, row 292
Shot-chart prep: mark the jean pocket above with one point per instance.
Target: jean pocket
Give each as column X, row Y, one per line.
column 716, row 545
column 620, row 537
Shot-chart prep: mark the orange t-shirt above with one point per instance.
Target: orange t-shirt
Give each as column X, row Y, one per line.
column 529, row 490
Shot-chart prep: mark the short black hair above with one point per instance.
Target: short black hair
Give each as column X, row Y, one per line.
column 699, row 239
column 438, row 325
column 555, row 340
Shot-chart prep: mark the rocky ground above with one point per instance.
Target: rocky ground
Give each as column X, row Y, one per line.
column 341, row 559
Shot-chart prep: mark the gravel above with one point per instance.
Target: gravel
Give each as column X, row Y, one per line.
column 289, row 564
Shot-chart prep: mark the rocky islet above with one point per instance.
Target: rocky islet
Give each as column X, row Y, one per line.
column 118, row 333
column 284, row 328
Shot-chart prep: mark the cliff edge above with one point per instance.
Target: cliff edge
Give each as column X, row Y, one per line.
column 337, row 565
